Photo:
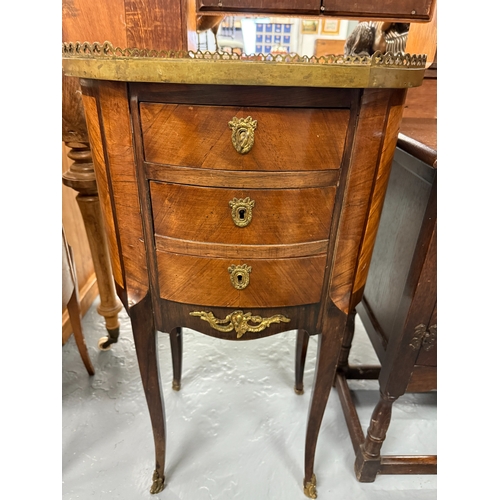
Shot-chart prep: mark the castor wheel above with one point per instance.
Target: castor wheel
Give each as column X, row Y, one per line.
column 105, row 343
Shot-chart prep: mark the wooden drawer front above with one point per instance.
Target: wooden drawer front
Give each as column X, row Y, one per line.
column 285, row 139
column 278, row 217
column 273, row 283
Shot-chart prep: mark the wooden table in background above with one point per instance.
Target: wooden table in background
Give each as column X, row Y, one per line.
column 399, row 304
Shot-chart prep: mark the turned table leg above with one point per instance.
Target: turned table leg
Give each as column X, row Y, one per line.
column 81, row 178
column 368, row 457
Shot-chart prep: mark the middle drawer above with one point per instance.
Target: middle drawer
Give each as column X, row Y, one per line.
column 242, row 217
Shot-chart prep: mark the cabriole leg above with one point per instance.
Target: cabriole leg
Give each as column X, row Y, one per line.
column 145, row 338
column 329, row 343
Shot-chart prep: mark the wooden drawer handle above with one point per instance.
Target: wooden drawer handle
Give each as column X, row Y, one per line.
column 239, row 276
column 243, row 133
column 238, row 321
column 241, row 211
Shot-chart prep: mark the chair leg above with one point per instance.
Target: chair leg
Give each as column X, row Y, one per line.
column 300, row 360
column 176, row 348
column 73, row 307
column 368, row 457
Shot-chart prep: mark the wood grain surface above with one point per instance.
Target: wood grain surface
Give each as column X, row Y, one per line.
column 156, row 24
column 285, row 139
column 249, row 179
column 175, row 313
column 279, row 217
column 402, row 10
column 147, row 24
column 84, row 21
column 378, row 194
column 244, row 95
column 218, row 250
column 364, row 161
column 264, row 6
column 324, row 47
column 115, row 119
column 103, row 187
column 273, row 283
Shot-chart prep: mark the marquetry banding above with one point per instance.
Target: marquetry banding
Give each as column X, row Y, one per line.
column 250, row 179
column 201, row 249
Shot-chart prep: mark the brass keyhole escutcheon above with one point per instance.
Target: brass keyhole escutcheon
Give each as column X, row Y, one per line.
column 243, row 133
column 241, row 211
column 239, row 276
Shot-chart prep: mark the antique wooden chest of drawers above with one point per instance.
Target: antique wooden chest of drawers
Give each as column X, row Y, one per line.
column 241, row 196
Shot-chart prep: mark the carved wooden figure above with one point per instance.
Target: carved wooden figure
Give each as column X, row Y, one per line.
column 243, row 198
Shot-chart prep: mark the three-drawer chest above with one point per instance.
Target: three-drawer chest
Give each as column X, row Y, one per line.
column 241, row 196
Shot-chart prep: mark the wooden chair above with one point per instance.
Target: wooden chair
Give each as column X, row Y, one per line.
column 399, row 304
column 71, row 302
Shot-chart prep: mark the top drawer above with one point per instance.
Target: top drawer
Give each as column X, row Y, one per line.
column 284, row 138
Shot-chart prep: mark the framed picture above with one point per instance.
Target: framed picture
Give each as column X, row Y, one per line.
column 309, row 26
column 330, row 27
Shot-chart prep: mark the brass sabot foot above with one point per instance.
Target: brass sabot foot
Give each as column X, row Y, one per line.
column 158, row 483
column 176, row 385
column 310, row 488
column 299, row 390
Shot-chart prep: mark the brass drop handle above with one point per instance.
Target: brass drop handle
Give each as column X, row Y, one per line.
column 243, row 133
column 241, row 211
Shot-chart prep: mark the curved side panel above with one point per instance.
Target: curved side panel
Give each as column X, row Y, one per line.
column 94, row 132
column 365, row 158
column 378, row 196
column 119, row 156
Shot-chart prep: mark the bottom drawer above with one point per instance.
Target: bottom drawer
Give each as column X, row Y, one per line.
column 269, row 283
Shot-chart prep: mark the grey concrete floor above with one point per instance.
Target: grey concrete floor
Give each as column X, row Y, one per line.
column 236, row 430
